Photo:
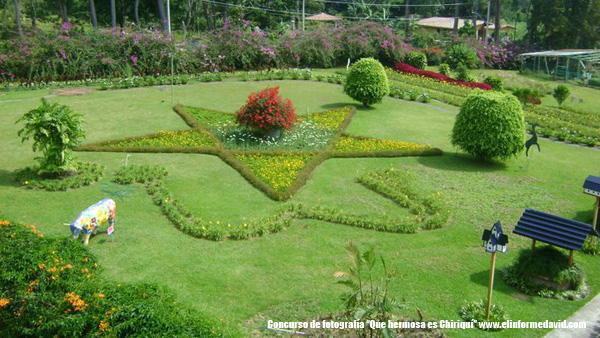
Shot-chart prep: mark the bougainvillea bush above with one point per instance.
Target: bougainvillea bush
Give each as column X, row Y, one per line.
column 67, row 53
column 266, row 110
column 406, row 68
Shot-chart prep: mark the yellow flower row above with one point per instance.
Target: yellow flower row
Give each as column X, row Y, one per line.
column 330, row 119
column 278, row 171
column 349, row 143
column 187, row 138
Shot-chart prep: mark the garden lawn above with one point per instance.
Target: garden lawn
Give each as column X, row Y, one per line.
column 289, row 275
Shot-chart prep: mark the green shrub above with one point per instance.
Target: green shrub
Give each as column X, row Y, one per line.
column 461, row 53
column 490, row 125
column 495, row 82
column 475, row 311
column 53, row 288
column 594, row 82
column 444, row 69
column 462, row 73
column 416, row 59
column 86, row 174
column 367, row 82
column 561, row 92
column 542, row 271
column 56, row 131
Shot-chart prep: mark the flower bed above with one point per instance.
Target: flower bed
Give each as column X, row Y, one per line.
column 185, row 138
column 565, row 125
column 278, row 171
column 406, row 68
column 349, row 143
column 86, row 174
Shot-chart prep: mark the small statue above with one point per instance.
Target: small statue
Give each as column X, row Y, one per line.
column 93, row 217
column 532, row 141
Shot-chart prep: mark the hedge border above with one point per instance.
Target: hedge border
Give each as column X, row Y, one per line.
column 186, row 222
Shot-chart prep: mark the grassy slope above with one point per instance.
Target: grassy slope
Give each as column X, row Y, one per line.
column 292, row 272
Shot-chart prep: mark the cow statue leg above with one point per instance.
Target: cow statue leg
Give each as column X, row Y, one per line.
column 86, row 239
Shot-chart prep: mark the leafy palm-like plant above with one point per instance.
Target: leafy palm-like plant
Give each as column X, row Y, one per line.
column 368, row 297
column 55, row 131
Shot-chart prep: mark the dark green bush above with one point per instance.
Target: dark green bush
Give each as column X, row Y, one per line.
column 561, row 92
column 367, row 82
column 461, row 53
column 52, row 288
column 416, row 59
column 444, row 69
column 490, row 125
column 594, row 82
column 495, row 82
column 540, row 273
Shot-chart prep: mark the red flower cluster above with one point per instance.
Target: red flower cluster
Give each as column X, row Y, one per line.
column 266, row 110
column 406, row 68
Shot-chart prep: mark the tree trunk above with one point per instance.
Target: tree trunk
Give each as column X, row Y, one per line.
column 474, row 20
column 497, row 21
column 206, row 15
column 93, row 14
column 63, row 12
column 136, row 6
column 456, row 14
column 18, row 17
column 113, row 14
column 162, row 15
column 33, row 15
column 406, row 15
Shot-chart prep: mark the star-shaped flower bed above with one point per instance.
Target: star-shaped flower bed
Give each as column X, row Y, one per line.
column 280, row 167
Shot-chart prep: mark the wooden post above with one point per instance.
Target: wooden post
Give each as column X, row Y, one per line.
column 533, row 245
column 595, row 223
column 490, row 287
column 571, row 258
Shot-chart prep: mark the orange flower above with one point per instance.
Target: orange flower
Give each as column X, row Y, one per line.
column 68, row 266
column 4, row 302
column 4, row 222
column 85, row 270
column 42, row 266
column 104, row 326
column 100, row 295
column 40, row 235
column 77, row 303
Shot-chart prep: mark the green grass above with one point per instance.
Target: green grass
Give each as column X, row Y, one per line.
column 273, row 276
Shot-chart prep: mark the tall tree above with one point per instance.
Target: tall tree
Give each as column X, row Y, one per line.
column 62, row 6
column 18, row 17
column 497, row 21
column 113, row 14
column 162, row 15
column 136, row 7
column 93, row 14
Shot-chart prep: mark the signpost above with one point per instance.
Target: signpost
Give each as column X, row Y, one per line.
column 110, row 231
column 493, row 241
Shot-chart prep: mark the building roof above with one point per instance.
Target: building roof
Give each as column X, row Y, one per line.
column 444, row 23
column 590, row 55
column 562, row 232
column 323, row 17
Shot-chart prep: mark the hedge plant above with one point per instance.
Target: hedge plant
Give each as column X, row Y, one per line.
column 490, row 125
column 367, row 82
column 416, row 59
column 495, row 82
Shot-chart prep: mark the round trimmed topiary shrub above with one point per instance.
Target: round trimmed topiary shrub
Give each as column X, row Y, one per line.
column 367, row 82
column 490, row 125
column 266, row 111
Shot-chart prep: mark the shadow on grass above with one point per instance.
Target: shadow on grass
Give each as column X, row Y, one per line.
column 358, row 106
column 7, row 179
column 586, row 216
column 453, row 161
column 483, row 278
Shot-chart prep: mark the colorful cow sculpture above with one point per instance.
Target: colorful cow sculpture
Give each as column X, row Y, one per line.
column 93, row 217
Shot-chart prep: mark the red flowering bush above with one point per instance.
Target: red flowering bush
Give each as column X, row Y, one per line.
column 266, row 110
column 406, row 68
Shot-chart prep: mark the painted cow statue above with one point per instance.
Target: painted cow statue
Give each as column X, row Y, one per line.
column 93, row 217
